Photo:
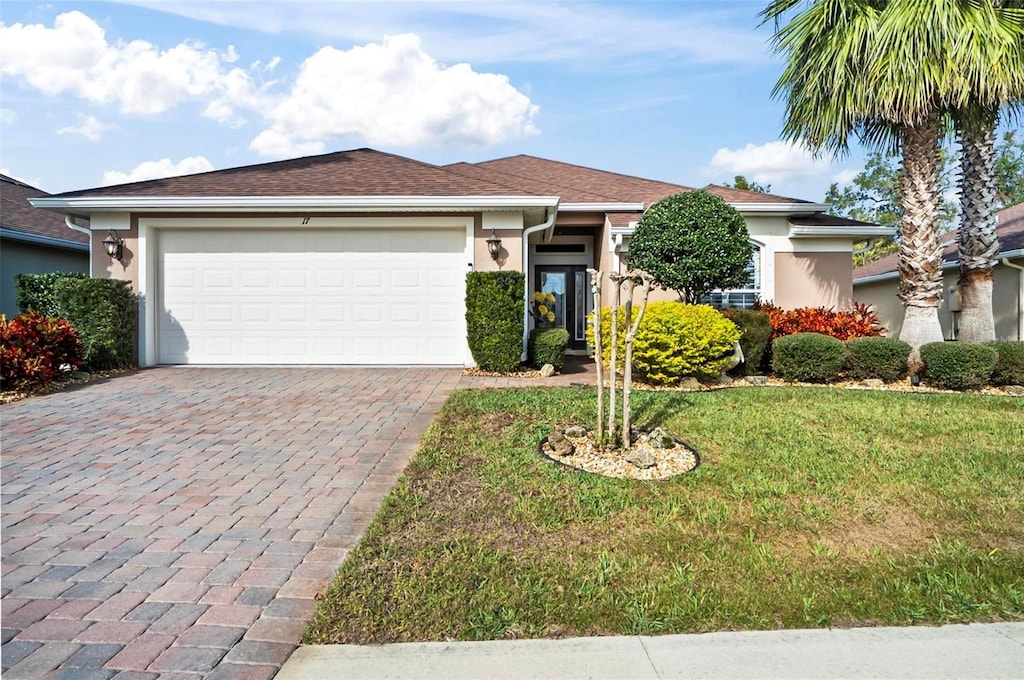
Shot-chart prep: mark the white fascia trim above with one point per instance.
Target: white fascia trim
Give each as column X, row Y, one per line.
column 782, row 208
column 885, row 276
column 279, row 203
column 801, row 231
column 601, row 207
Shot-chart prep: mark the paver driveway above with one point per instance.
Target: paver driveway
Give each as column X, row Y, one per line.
column 179, row 521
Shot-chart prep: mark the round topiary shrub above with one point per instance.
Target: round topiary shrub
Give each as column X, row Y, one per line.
column 1009, row 369
column 808, row 357
column 956, row 365
column 755, row 331
column 675, row 340
column 547, row 346
column 882, row 358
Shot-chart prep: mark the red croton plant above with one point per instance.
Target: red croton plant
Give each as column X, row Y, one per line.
column 34, row 349
column 860, row 322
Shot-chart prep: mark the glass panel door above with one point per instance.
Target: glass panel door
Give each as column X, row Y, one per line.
column 555, row 282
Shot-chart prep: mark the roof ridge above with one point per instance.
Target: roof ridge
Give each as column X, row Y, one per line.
column 749, row 191
column 587, row 167
column 18, row 182
column 518, row 176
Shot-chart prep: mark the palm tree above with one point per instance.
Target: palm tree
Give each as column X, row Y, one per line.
column 890, row 71
column 979, row 201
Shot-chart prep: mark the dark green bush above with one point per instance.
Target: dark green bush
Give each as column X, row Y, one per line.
column 956, row 365
column 808, row 357
column 35, row 291
column 494, row 319
column 105, row 314
column 882, row 358
column 1009, row 368
column 547, row 346
column 756, row 329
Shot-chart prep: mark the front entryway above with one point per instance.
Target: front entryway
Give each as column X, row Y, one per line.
column 568, row 283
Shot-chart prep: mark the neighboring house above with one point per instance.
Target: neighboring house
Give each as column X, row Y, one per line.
column 33, row 241
column 876, row 282
column 359, row 257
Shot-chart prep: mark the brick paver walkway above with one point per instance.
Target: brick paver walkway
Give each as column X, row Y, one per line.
column 178, row 522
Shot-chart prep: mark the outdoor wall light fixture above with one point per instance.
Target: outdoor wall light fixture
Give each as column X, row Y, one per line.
column 494, row 245
column 113, row 244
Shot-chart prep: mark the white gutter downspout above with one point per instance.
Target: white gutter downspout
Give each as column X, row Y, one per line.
column 1020, row 297
column 546, row 224
column 82, row 230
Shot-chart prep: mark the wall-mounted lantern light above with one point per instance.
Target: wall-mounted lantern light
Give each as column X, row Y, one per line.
column 494, row 245
column 114, row 245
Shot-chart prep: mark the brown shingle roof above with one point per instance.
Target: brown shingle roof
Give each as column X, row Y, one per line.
column 17, row 214
column 581, row 183
column 527, row 184
column 1009, row 230
column 743, row 196
column 622, row 220
column 360, row 172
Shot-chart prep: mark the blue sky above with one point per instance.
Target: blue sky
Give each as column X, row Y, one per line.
column 99, row 93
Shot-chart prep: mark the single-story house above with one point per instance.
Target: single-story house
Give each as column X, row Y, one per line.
column 876, row 282
column 34, row 241
column 360, row 257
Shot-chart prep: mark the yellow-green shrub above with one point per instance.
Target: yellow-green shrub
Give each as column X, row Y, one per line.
column 675, row 340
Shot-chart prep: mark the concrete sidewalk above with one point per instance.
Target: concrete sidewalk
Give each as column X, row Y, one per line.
column 959, row 651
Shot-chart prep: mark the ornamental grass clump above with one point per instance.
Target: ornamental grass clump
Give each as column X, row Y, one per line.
column 808, row 357
column 1009, row 368
column 957, row 366
column 881, row 358
column 677, row 340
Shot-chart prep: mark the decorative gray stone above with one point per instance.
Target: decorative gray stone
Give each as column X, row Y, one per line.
column 724, row 380
column 558, row 445
column 689, row 384
column 660, row 439
column 641, row 457
column 79, row 375
column 873, row 383
column 1014, row 390
column 757, row 379
column 547, row 370
column 575, row 431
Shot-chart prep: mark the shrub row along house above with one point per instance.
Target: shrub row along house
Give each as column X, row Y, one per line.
column 360, row 257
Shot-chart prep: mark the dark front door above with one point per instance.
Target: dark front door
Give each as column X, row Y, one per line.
column 569, row 285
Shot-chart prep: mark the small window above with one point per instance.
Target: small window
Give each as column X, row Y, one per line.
column 744, row 297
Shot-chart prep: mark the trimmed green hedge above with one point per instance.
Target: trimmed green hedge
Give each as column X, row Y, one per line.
column 494, row 319
column 1009, row 369
column 808, row 357
column 547, row 346
column 882, row 358
column 105, row 314
column 36, row 291
column 957, row 366
column 756, row 329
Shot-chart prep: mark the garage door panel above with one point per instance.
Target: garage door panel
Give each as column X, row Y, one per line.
column 341, row 296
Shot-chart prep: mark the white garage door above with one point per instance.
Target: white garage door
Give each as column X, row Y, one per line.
column 333, row 296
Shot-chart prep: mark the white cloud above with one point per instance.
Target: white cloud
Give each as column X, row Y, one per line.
column 844, row 176
column 75, row 57
column 88, row 127
column 157, row 170
column 31, row 182
column 774, row 162
column 394, row 93
column 8, row 116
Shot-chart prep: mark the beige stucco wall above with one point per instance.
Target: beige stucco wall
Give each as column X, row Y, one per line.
column 813, row 279
column 510, row 258
column 1007, row 306
column 128, row 268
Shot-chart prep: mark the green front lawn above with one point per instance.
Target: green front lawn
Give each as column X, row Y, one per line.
column 811, row 507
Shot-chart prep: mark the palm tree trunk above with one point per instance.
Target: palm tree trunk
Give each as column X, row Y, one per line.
column 920, row 254
column 977, row 234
